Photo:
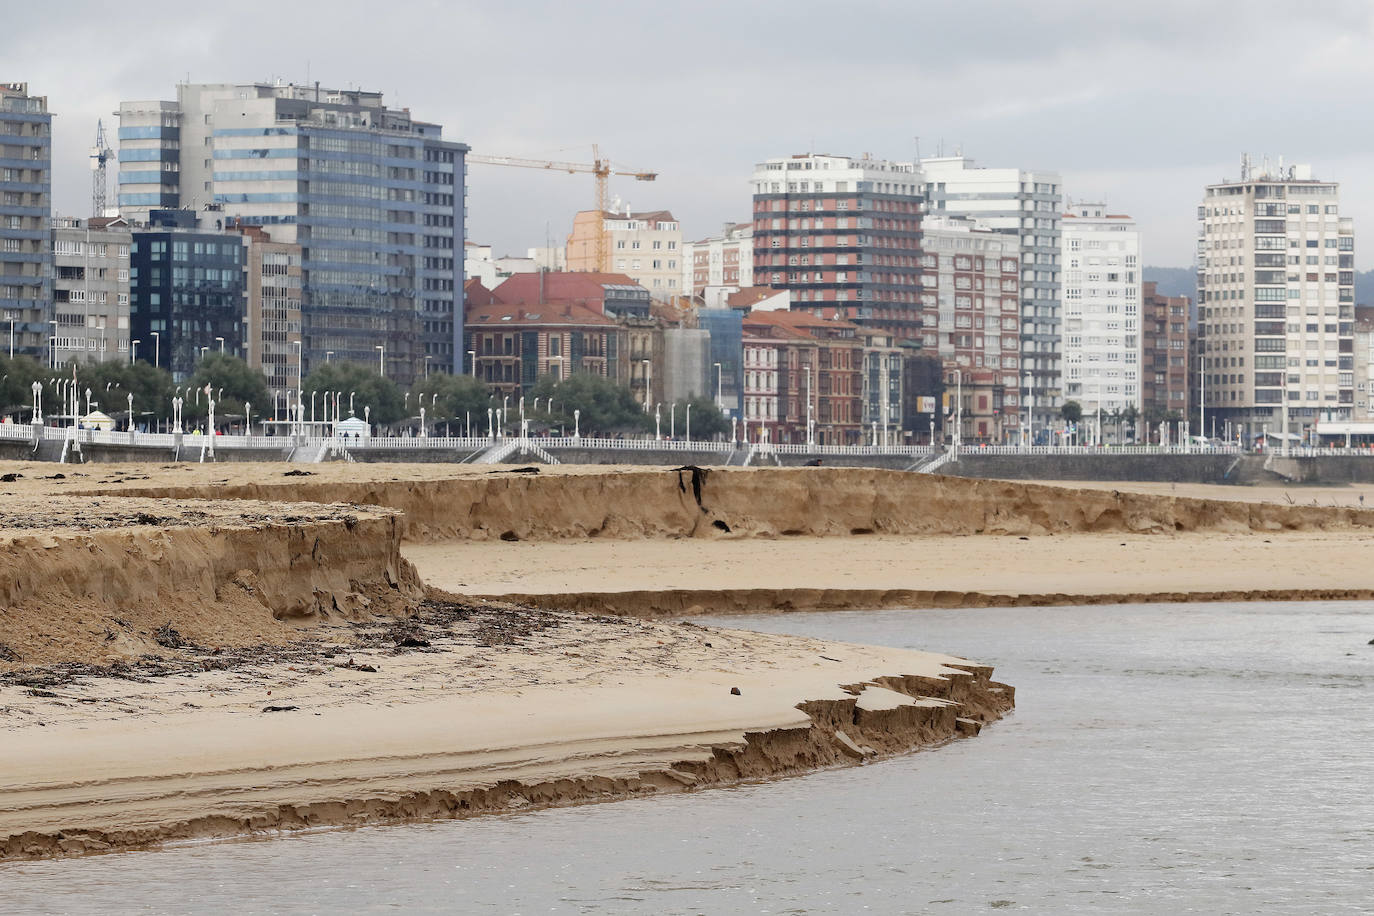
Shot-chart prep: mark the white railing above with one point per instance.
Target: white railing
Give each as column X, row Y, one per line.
column 24, row 431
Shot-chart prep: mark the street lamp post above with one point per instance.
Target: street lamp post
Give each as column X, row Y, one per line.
column 300, row 358
column 958, row 408
column 472, row 362
column 1029, row 438
column 53, row 338
column 133, row 351
column 381, row 359
column 427, row 359
column 577, row 423
column 157, row 349
column 131, row 417
column 672, row 420
column 689, row 420
column 658, row 430
column 328, row 354
column 221, row 345
column 810, row 423
column 719, row 390
column 1202, row 391
column 648, row 383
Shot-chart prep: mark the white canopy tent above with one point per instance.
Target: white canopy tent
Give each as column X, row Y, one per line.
column 353, row 428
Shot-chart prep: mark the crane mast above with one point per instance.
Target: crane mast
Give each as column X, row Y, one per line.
column 601, row 170
column 101, row 154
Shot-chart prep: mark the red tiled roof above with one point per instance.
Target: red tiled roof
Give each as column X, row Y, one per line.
column 748, row 295
column 474, row 293
column 795, row 324
column 559, row 286
column 521, row 315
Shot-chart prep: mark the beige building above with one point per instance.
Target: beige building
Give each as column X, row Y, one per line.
column 644, row 246
column 272, row 327
column 1276, row 306
column 90, row 286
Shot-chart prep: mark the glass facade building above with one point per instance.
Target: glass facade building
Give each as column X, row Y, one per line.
column 188, row 286
column 726, row 327
column 374, row 199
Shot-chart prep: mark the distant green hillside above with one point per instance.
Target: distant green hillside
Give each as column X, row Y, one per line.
column 1173, row 281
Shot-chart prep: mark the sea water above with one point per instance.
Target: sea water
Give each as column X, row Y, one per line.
column 1214, row 758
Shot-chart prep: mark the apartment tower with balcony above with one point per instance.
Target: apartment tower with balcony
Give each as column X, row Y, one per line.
column 1026, row 204
column 843, row 235
column 1276, row 309
column 1102, row 344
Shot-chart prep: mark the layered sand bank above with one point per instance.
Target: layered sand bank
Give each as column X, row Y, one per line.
column 174, row 666
column 93, row 580
column 460, row 711
column 447, row 502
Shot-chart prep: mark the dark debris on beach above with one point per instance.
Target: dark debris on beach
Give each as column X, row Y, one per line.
column 435, row 626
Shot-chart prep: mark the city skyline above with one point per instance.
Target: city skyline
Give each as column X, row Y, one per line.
column 1116, row 109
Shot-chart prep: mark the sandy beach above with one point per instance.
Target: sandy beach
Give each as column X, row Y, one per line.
column 191, row 651
column 858, row 572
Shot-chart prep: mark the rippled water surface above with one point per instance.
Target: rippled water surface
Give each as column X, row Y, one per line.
column 1162, row 759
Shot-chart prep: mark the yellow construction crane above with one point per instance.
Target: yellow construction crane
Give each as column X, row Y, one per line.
column 600, row 167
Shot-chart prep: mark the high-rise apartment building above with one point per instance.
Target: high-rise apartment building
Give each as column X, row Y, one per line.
column 647, row 247
column 1276, row 311
column 843, row 234
column 1164, row 353
column 972, row 305
column 90, row 289
column 374, row 198
column 1025, row 204
column 1102, row 349
column 25, row 209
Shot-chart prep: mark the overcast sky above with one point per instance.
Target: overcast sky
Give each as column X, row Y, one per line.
column 1140, row 103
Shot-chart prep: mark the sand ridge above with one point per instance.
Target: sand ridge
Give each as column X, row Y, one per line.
column 466, row 710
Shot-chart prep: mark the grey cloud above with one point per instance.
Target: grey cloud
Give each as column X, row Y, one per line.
column 1122, row 93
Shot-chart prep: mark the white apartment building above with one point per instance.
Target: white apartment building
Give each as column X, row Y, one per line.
column 1276, row 307
column 479, row 262
column 722, row 264
column 1026, row 204
column 1102, row 344
column 760, row 380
